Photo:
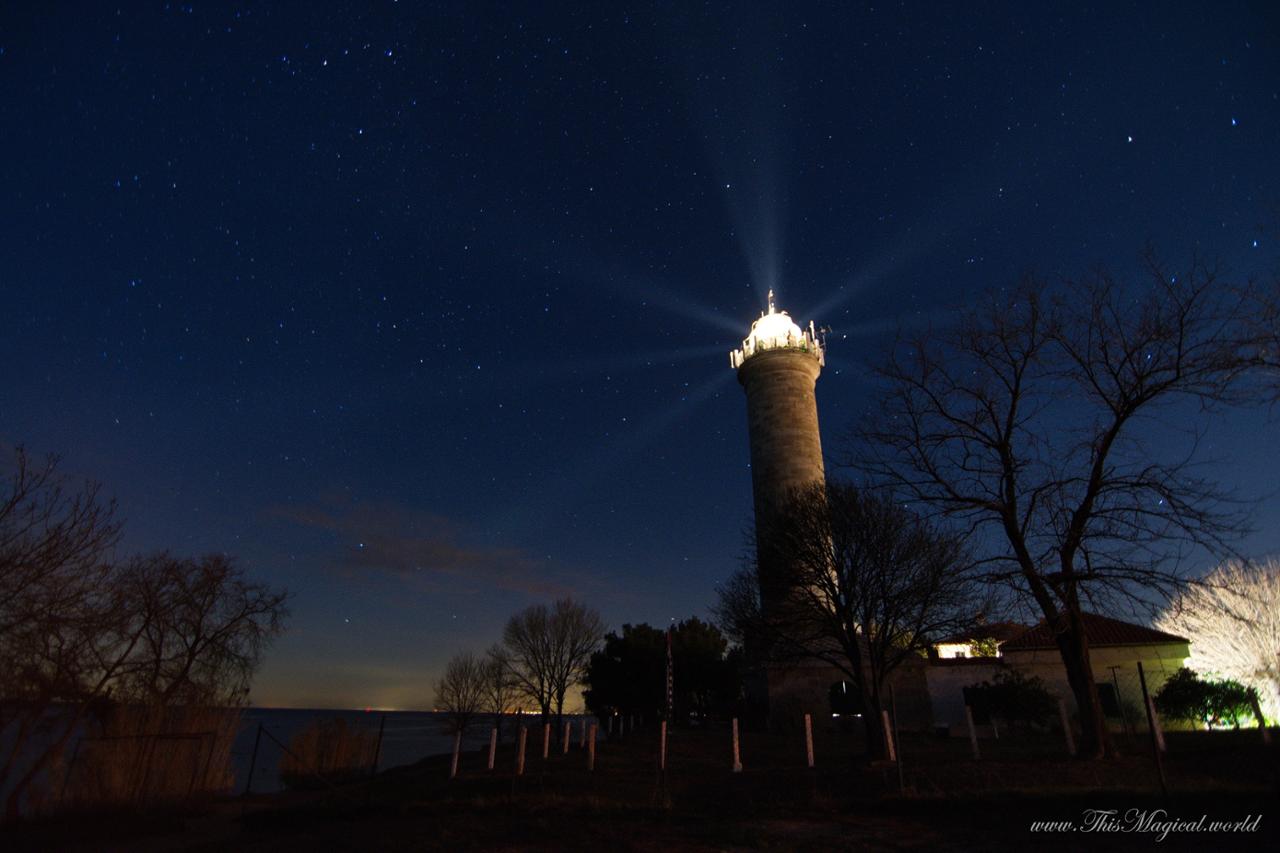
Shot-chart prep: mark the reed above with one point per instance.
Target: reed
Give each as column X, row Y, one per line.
column 327, row 751
column 146, row 754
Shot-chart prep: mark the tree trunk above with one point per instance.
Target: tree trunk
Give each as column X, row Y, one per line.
column 873, row 725
column 1095, row 741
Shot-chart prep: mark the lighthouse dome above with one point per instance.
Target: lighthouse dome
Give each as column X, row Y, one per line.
column 776, row 330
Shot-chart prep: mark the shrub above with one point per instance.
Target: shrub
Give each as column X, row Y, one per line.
column 1186, row 696
column 1012, row 697
column 327, row 751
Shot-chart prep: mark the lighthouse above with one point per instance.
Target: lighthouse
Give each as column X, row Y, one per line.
column 778, row 366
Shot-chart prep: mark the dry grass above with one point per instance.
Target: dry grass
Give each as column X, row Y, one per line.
column 951, row 802
column 776, row 803
column 138, row 755
column 327, row 751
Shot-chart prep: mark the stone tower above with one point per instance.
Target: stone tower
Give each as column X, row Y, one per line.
column 778, row 366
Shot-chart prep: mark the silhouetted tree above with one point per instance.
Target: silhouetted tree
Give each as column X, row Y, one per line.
column 500, row 687
column 1029, row 423
column 460, row 691
column 64, row 632
column 205, row 627
column 79, row 630
column 548, row 649
column 871, row 585
column 706, row 681
column 629, row 676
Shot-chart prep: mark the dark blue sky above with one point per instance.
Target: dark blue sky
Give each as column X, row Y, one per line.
column 423, row 310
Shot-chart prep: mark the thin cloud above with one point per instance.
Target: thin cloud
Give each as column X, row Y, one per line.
column 415, row 544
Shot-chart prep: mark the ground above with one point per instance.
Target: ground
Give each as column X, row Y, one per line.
column 944, row 800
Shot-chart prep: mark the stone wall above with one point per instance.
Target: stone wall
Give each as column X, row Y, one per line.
column 947, row 678
column 805, row 689
column 1158, row 661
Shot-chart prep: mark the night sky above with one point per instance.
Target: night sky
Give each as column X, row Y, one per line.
column 423, row 311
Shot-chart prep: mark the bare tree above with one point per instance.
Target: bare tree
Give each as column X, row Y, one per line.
column 870, row 586
column 460, row 692
column 1265, row 311
column 206, row 626
column 65, row 631
column 1233, row 621
column 79, row 630
column 55, row 548
column 549, row 648
column 500, row 688
column 1030, row 420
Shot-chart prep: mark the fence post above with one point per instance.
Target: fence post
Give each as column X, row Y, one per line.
column 208, row 760
column 546, row 740
column 314, row 770
column 1066, row 727
column 591, row 749
column 493, row 747
column 149, row 751
column 583, row 743
column 1153, row 727
column 609, row 726
column 568, row 733
column 1115, row 682
column 195, row 770
column 457, row 748
column 524, row 736
column 75, row 753
column 973, row 735
column 888, row 735
column 253, row 762
column 1159, row 728
column 662, row 748
column 897, row 743
column 737, row 755
column 808, row 739
column 377, row 747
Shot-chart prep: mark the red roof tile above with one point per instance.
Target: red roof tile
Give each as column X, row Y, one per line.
column 1100, row 631
column 998, row 631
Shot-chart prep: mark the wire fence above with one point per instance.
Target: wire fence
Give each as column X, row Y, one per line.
column 830, row 747
column 278, row 750
column 138, row 769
